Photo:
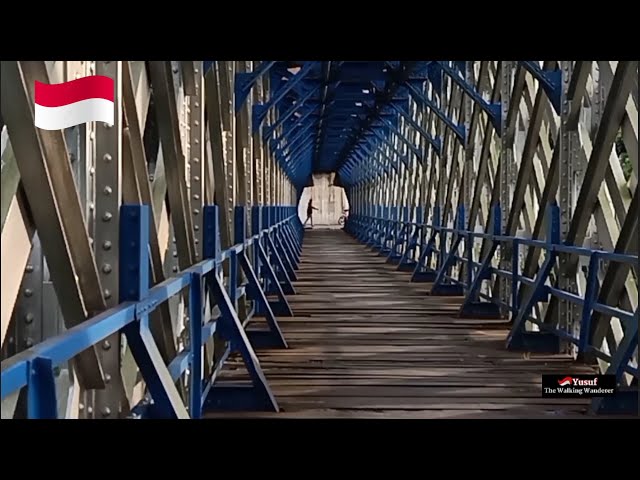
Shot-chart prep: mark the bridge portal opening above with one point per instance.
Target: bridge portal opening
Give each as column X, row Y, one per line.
column 330, row 200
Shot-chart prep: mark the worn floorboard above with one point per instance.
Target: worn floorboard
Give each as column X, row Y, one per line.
column 367, row 343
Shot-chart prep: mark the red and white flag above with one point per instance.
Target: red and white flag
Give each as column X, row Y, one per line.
column 64, row 105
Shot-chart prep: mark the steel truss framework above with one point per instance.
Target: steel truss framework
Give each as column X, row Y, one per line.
column 511, row 183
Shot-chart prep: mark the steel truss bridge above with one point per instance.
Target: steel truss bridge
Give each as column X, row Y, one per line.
column 158, row 267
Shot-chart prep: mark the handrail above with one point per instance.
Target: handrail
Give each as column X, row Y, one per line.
column 25, row 368
column 526, row 292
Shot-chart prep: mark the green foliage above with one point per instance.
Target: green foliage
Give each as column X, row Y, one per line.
column 625, row 162
column 623, row 156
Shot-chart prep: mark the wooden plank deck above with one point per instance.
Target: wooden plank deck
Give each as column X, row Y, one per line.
column 367, row 343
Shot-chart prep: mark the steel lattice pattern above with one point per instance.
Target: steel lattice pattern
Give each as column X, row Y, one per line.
column 438, row 143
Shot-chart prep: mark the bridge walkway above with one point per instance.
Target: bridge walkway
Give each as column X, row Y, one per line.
column 365, row 342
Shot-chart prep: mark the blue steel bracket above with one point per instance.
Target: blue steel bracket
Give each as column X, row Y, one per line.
column 551, row 81
column 281, row 273
column 286, row 258
column 440, row 286
column 272, row 336
column 280, row 306
column 397, row 241
column 245, row 81
column 259, row 112
column 42, row 398
column 407, row 263
column 472, row 307
column 494, row 110
column 290, row 240
column 458, row 130
column 224, row 396
column 227, row 396
column 134, row 285
column 625, row 400
column 519, row 338
column 424, row 273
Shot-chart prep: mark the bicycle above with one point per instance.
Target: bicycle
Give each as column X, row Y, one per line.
column 343, row 217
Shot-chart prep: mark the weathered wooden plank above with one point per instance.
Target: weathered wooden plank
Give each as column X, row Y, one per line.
column 366, row 342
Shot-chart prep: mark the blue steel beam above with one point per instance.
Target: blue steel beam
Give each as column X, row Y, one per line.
column 268, row 131
column 245, row 81
column 494, row 110
column 260, row 111
column 421, row 98
column 401, row 136
column 434, row 142
column 551, row 81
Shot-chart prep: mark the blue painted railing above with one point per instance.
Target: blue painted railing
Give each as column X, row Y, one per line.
column 441, row 249
column 276, row 243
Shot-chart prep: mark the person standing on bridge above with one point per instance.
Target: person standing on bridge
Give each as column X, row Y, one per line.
column 310, row 209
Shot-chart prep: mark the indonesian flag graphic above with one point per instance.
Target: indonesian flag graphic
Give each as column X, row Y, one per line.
column 565, row 381
column 64, row 105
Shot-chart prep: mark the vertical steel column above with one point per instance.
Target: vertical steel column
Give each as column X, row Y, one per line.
column 197, row 158
column 506, row 166
column 469, row 171
column 568, row 314
column 108, row 178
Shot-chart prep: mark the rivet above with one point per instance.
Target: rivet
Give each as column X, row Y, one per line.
column 196, row 123
column 175, row 269
column 196, row 178
column 89, row 409
column 107, row 293
column 107, row 216
column 196, row 227
column 107, row 157
column 106, row 411
column 196, row 141
column 92, row 171
column 196, row 70
column 107, row 378
column 28, row 342
column 175, row 254
column 107, row 190
column 81, row 406
column 175, row 70
column 107, row 125
column 106, row 245
column 106, row 345
column 106, row 268
column 196, row 211
column 196, row 196
column 28, row 318
column 29, row 268
column 196, row 159
column 28, row 292
column 196, row 104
